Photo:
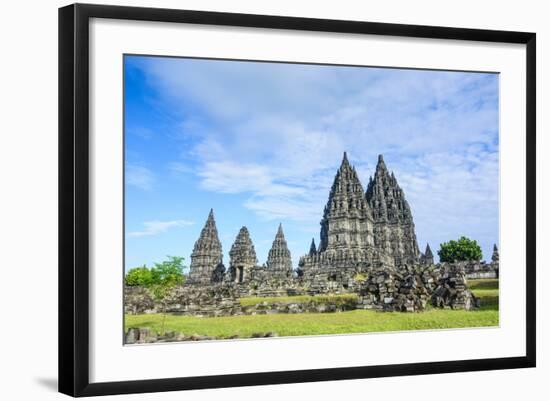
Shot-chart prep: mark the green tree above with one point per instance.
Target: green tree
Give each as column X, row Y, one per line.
column 461, row 250
column 139, row 276
column 164, row 277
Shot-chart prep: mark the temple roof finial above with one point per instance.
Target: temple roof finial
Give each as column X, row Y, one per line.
column 495, row 257
column 381, row 164
column 312, row 248
column 345, row 162
column 428, row 252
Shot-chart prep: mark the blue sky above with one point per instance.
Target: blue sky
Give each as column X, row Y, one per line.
column 260, row 144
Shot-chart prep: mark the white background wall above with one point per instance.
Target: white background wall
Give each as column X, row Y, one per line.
column 28, row 200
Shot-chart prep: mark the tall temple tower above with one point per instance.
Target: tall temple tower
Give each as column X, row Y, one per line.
column 279, row 262
column 242, row 257
column 347, row 223
column 393, row 223
column 206, row 259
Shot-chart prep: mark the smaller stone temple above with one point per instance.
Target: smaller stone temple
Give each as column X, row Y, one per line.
column 279, row 262
column 242, row 257
column 427, row 258
column 207, row 257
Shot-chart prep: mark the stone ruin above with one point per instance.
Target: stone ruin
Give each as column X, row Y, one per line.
column 206, row 259
column 408, row 289
column 242, row 258
column 368, row 247
column 481, row 269
column 279, row 263
column 411, row 289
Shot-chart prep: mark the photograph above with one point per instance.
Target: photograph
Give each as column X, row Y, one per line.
column 273, row 199
column 277, row 200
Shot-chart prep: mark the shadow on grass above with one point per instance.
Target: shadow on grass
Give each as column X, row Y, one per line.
column 485, row 284
column 489, row 303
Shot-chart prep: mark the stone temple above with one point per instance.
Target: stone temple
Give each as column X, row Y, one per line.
column 364, row 228
column 279, row 262
column 242, row 257
column 360, row 229
column 206, row 259
column 367, row 247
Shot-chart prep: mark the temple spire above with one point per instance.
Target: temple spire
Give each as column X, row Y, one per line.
column 210, row 220
column 427, row 257
column 279, row 261
column 394, row 225
column 280, row 231
column 428, row 252
column 495, row 257
column 381, row 165
column 346, row 202
column 312, row 248
column 206, row 259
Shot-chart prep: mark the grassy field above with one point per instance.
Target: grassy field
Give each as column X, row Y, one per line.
column 337, row 298
column 356, row 321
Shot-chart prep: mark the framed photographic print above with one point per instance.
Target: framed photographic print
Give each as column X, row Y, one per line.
column 277, row 199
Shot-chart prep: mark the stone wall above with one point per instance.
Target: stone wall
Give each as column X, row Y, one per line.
column 475, row 270
column 407, row 289
column 138, row 301
column 200, row 300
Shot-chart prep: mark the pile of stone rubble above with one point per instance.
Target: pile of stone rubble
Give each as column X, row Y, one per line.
column 411, row 289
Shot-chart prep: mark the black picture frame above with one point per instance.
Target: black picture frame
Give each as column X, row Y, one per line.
column 74, row 198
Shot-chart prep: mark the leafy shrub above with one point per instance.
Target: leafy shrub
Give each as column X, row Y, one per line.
column 139, row 276
column 462, row 250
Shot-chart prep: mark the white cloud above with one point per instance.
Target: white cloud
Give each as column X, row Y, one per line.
column 453, row 194
column 139, row 177
column 157, row 227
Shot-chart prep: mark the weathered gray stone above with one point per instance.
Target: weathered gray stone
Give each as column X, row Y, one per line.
column 242, row 257
column 427, row 258
column 207, row 258
column 279, row 262
column 312, row 248
column 137, row 300
column 361, row 230
column 452, row 290
column 132, row 335
column 394, row 233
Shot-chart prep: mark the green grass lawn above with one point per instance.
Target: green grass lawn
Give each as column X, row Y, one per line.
column 336, row 298
column 356, row 321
